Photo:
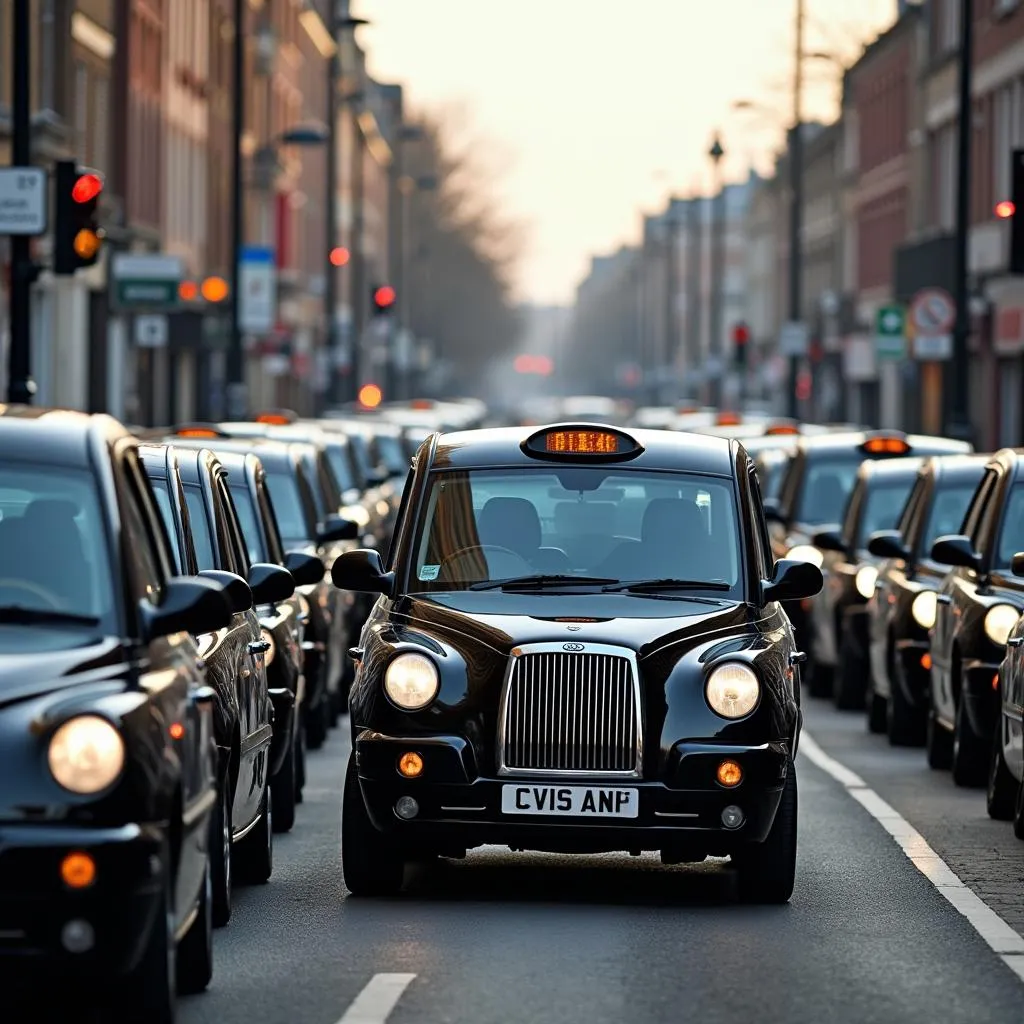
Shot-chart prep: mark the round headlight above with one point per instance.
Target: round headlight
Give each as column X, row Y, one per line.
column 411, row 681
column 923, row 609
column 999, row 623
column 867, row 576
column 806, row 553
column 268, row 657
column 733, row 690
column 86, row 754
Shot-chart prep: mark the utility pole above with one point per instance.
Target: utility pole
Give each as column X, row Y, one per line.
column 236, row 391
column 796, row 190
column 358, row 261
column 957, row 380
column 20, row 385
column 331, row 211
column 717, row 273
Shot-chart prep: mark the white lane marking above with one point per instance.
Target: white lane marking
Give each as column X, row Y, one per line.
column 1001, row 938
column 374, row 1004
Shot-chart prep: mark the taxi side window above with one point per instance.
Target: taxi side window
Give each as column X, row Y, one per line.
column 275, row 546
column 402, row 510
column 762, row 542
column 237, row 549
column 980, row 510
column 910, row 514
column 144, row 532
column 853, row 511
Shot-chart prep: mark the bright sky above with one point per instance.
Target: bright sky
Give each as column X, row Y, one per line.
column 591, row 112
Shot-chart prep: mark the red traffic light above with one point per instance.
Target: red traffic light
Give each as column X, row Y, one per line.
column 384, row 296
column 87, row 188
column 339, row 256
column 740, row 334
column 1006, row 209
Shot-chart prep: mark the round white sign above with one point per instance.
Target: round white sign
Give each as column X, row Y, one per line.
column 933, row 312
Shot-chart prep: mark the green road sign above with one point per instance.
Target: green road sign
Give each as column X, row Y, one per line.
column 890, row 333
column 146, row 282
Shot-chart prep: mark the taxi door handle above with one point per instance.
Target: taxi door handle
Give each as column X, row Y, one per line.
column 797, row 658
column 259, row 646
column 944, row 599
column 1015, row 641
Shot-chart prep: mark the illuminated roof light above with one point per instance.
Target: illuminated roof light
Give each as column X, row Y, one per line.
column 370, row 396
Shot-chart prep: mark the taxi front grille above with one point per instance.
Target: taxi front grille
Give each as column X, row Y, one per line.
column 571, row 713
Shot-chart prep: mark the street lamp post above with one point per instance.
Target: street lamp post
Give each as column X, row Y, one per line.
column 717, row 273
column 796, row 202
column 236, row 397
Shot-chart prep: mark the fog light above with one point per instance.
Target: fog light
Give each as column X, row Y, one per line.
column 926, row 661
column 995, row 681
column 78, row 870
column 410, row 764
column 77, row 936
column 729, row 774
column 732, row 817
column 406, row 807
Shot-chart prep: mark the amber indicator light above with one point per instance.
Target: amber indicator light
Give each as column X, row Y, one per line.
column 886, row 446
column 410, row 764
column 728, row 419
column 926, row 661
column 581, row 442
column 729, row 774
column 196, row 432
column 781, row 428
column 176, row 730
column 78, row 870
column 274, row 419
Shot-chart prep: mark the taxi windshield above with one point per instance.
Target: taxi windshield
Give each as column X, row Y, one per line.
column 883, row 508
column 54, row 559
column 291, row 520
column 485, row 525
column 827, row 486
column 949, row 508
column 1011, row 533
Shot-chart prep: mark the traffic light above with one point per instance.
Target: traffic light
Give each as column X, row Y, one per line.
column 740, row 340
column 1014, row 211
column 339, row 256
column 78, row 236
column 383, row 299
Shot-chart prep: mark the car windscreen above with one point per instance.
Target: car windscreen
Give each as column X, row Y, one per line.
column 771, row 478
column 883, row 507
column 338, row 458
column 291, row 518
column 54, row 555
column 826, row 488
column 361, row 447
column 487, row 524
column 251, row 532
column 1011, row 531
column 390, row 448
column 949, row 508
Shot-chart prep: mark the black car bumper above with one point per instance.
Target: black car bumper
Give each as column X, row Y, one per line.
column 38, row 911
column 979, row 697
column 459, row 809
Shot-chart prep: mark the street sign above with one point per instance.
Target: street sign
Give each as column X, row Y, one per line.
column 932, row 315
column 22, row 201
column 257, row 290
column 151, row 330
column 793, row 339
column 890, row 333
column 146, row 281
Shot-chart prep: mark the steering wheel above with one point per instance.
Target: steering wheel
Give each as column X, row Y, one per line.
column 455, row 555
column 35, row 589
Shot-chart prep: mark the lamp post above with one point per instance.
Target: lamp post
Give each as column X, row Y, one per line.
column 236, row 398
column 715, row 295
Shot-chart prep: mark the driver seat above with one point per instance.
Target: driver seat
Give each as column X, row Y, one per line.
column 513, row 523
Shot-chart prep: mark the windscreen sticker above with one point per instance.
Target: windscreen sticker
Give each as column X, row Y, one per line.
column 429, row 572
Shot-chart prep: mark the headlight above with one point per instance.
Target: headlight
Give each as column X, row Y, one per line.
column 411, row 681
column 268, row 656
column 86, row 754
column 923, row 609
column 865, row 580
column 356, row 513
column 733, row 690
column 999, row 623
column 806, row 553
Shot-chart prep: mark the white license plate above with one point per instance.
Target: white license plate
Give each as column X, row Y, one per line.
column 574, row 801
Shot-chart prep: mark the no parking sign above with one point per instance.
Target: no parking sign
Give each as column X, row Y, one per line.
column 932, row 315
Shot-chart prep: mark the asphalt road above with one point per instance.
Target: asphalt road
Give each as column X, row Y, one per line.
column 502, row 938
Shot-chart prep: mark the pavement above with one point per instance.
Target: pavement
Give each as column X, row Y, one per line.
column 871, row 935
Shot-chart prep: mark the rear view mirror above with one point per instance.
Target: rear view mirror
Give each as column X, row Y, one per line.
column 957, row 550
column 307, row 570
column 189, row 604
column 270, row 583
column 829, row 540
column 336, row 528
column 237, row 590
column 1017, row 565
column 362, row 572
column 888, row 544
column 792, row 581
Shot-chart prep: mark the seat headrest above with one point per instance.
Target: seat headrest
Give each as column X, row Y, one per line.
column 52, row 510
column 510, row 523
column 668, row 517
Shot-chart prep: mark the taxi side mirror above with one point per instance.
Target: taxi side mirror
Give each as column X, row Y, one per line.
column 888, row 544
column 188, row 604
column 270, row 583
column 237, row 590
column 1017, row 565
column 792, row 581
column 829, row 540
column 307, row 570
column 955, row 549
column 362, row 571
column 336, row 528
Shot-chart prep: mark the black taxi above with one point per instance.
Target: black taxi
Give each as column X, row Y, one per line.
column 578, row 645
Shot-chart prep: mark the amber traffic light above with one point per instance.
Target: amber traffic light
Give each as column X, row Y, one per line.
column 78, row 236
column 370, row 396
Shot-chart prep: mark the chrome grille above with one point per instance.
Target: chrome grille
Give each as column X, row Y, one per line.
column 571, row 713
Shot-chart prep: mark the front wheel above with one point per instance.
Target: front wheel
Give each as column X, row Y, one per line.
column 1018, row 814
column 878, row 713
column 195, row 951
column 766, row 872
column 849, row 689
column 969, row 760
column 904, row 723
column 1002, row 786
column 372, row 863
column 938, row 744
column 284, row 788
column 255, row 853
column 220, row 857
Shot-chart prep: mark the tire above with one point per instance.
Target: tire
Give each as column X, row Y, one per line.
column 315, row 722
column 766, row 872
column 254, row 856
column 848, row 687
column 1002, row 786
column 878, row 713
column 283, row 786
column 904, row 723
column 220, row 859
column 195, row 951
column 970, row 756
column 938, row 743
column 371, row 862
column 1018, row 813
column 300, row 764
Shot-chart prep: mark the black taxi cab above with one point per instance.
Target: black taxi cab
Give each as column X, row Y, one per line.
column 816, row 486
column 577, row 646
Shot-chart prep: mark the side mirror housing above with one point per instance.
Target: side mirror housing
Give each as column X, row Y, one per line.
column 792, row 581
column 829, row 540
column 362, row 571
column 238, row 592
column 307, row 570
column 270, row 583
column 377, row 478
column 1017, row 565
column 955, row 549
column 337, row 528
column 888, row 544
column 773, row 510
column 190, row 604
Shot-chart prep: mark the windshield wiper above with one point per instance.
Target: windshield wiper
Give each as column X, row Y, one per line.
column 19, row 615
column 539, row 582
column 668, row 583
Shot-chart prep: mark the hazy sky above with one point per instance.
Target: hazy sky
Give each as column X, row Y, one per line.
column 591, row 112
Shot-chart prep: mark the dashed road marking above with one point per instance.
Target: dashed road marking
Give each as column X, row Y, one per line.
column 1001, row 938
column 374, row 1004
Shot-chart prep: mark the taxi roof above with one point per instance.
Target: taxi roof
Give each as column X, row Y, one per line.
column 495, row 447
column 906, row 467
column 923, row 444
column 955, row 468
column 61, row 437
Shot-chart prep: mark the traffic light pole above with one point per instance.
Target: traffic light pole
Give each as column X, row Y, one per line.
column 236, row 392
column 20, row 386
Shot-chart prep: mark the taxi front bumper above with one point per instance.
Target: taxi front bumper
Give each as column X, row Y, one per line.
column 458, row 808
column 38, row 911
